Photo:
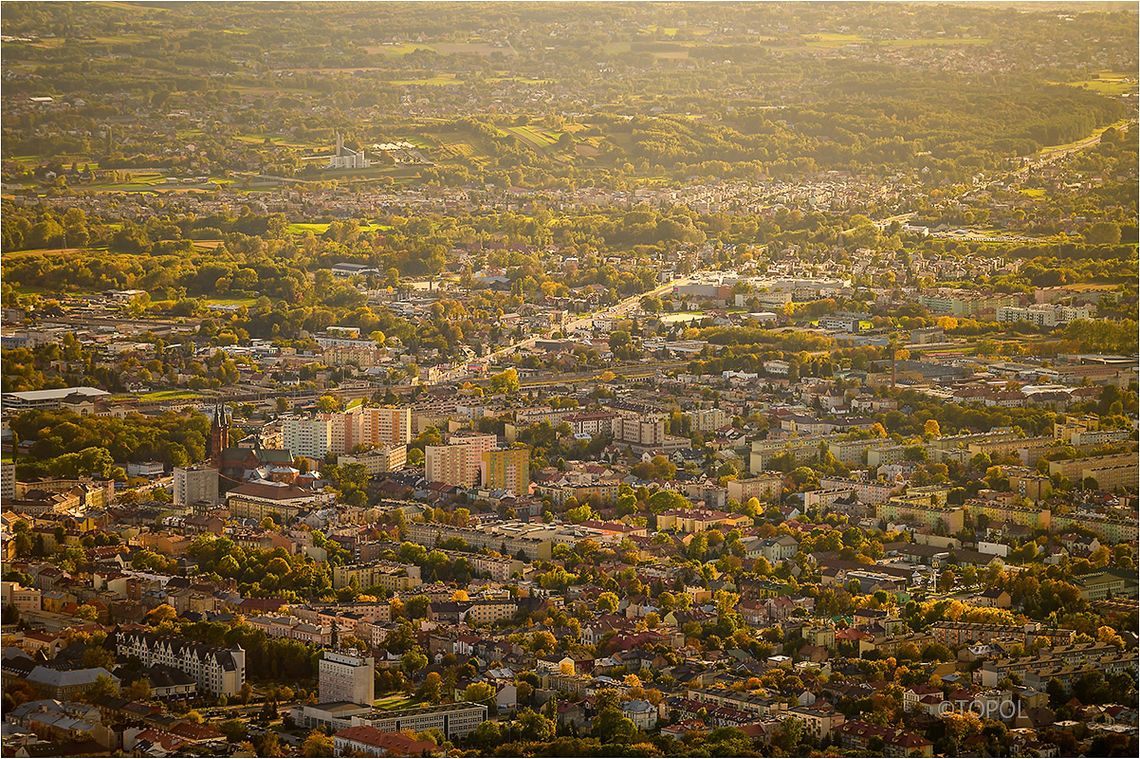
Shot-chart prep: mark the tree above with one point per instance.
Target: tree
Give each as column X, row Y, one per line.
column 138, row 690
column 931, row 429
column 235, row 730
column 480, row 693
column 102, row 689
column 506, row 381
column 432, row 688
column 317, row 744
column 535, row 727
column 607, row 602
column 267, row 744
column 86, row 612
column 413, row 661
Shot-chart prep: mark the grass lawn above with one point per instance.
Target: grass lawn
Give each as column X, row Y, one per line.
column 829, row 39
column 1032, row 192
column 439, row 80
column 169, row 395
column 230, row 301
column 394, row 701
column 1107, row 85
column 319, row 228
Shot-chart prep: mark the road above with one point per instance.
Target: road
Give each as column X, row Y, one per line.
column 618, row 310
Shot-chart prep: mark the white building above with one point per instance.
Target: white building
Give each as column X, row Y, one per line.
column 307, row 437
column 346, row 676
column 220, row 671
column 347, row 158
column 196, row 484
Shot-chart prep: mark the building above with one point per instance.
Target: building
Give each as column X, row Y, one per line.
column 195, row 484
column 453, row 720
column 347, row 158
column 765, row 487
column 378, row 460
column 7, row 481
column 507, row 469
column 310, row 437
column 708, row 419
column 51, row 399
column 18, row 597
column 510, row 539
column 382, row 574
column 346, row 676
column 365, row 740
column 646, row 432
column 388, row 425
column 219, row 671
column 282, row 502
column 460, row 461
column 219, row 434
column 1042, row 315
column 697, row 520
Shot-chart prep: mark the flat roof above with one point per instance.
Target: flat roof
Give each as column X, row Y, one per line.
column 57, row 393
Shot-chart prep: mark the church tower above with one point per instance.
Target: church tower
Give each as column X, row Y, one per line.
column 219, row 434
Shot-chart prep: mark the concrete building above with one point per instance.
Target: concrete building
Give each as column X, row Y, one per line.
column 196, row 484
column 310, row 437
column 507, row 469
column 388, row 425
column 460, row 461
column 638, row 430
column 765, row 487
column 346, row 676
column 378, row 460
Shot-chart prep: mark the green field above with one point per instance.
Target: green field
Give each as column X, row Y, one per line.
column 534, row 136
column 395, row 701
column 230, row 301
column 319, row 228
column 829, row 39
column 1107, row 85
column 169, row 395
column 439, row 80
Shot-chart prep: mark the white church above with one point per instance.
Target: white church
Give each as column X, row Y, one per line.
column 347, row 158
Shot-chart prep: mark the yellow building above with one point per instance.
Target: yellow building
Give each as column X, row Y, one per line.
column 507, row 469
column 1006, row 513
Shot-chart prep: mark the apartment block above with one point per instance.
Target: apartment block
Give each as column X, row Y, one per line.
column 378, row 460
column 507, row 469
column 768, row 486
column 196, row 484
column 346, row 676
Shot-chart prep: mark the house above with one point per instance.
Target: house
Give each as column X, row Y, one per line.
column 641, row 712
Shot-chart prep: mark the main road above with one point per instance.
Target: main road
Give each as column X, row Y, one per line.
column 618, row 310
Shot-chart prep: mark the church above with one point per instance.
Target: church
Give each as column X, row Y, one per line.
column 347, row 158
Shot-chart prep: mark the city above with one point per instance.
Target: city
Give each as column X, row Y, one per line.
column 568, row 379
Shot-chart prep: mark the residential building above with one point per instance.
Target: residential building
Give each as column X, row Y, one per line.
column 219, row 671
column 195, row 485
column 346, row 676
column 507, row 469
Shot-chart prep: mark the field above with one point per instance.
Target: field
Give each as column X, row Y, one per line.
column 169, row 395
column 1107, row 84
column 319, row 228
column 439, row 80
column 828, row 39
column 535, row 136
column 230, row 301
column 1033, row 192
